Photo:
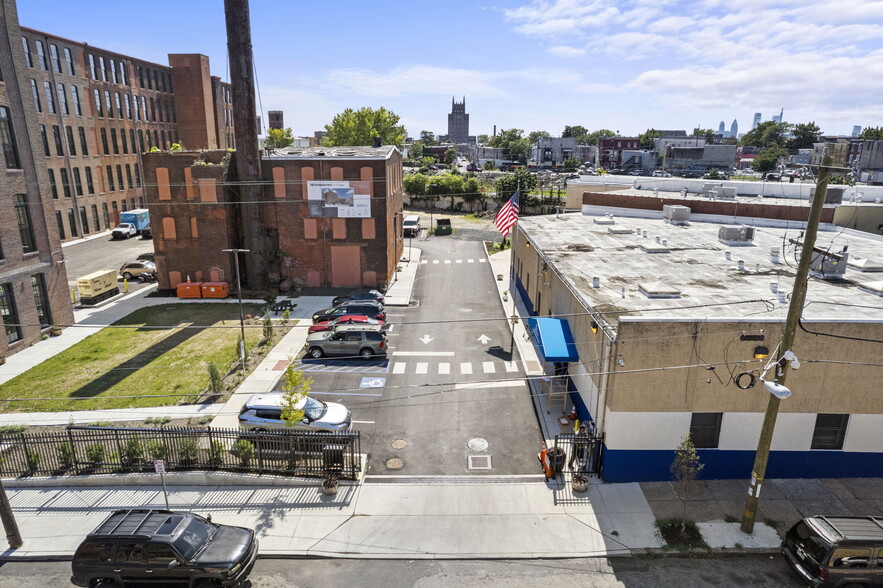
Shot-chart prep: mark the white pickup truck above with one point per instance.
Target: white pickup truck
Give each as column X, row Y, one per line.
column 124, row 231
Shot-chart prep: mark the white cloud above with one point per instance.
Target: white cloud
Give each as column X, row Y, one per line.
column 414, row 79
column 565, row 51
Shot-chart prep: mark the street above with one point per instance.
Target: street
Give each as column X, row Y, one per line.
column 637, row 572
column 102, row 252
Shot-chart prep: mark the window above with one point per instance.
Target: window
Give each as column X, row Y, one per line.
column 141, row 141
column 50, row 97
column 60, row 220
column 95, row 217
column 152, row 110
column 75, row 95
column 65, row 183
column 92, row 73
column 78, row 182
column 45, row 138
column 129, row 176
column 36, row 94
column 71, row 145
column 114, row 205
column 108, row 104
column 103, row 69
column 124, row 142
column 104, row 142
column 41, row 54
column 28, row 59
column 84, row 144
column 90, row 185
column 9, row 313
column 120, row 177
column 41, row 300
column 124, row 79
column 59, row 146
column 830, row 431
column 113, row 70
column 174, row 115
column 105, row 214
column 110, row 179
column 128, row 107
column 72, row 221
column 98, row 110
column 851, row 557
column 150, row 79
column 53, row 53
column 7, row 140
column 62, row 99
column 705, row 429
column 116, row 96
column 113, row 140
column 137, row 176
column 164, row 145
column 53, row 186
column 135, row 108
column 143, row 108
column 132, row 139
column 159, row 554
column 69, row 60
column 85, row 220
column 156, row 139
column 25, row 228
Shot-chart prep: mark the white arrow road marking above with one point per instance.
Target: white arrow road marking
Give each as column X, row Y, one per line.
column 484, row 339
column 426, row 339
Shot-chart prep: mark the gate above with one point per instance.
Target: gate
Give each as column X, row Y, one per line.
column 582, row 452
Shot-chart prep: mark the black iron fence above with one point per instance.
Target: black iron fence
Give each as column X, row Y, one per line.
column 104, row 450
column 579, row 453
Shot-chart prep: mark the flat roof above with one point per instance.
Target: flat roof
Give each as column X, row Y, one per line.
column 342, row 152
column 687, row 276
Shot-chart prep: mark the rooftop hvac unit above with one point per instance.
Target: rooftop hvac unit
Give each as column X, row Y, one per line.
column 726, row 193
column 827, row 264
column 735, row 234
column 834, row 195
column 675, row 213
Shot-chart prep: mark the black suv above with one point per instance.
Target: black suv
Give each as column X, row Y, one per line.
column 363, row 307
column 164, row 548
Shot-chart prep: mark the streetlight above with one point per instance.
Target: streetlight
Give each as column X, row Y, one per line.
column 236, row 253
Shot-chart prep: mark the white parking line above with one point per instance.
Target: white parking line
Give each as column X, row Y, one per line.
column 434, row 261
column 312, row 393
column 465, row 368
column 470, row 261
column 482, row 260
column 444, row 368
column 399, row 367
column 425, row 353
column 511, row 366
column 488, row 367
column 422, row 367
column 495, row 384
column 447, row 261
column 363, row 422
column 459, row 261
column 422, row 261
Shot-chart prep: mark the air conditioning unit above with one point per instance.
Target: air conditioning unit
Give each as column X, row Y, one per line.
column 827, row 264
column 731, row 234
column 675, row 213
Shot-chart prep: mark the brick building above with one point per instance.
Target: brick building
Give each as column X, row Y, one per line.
column 610, row 150
column 33, row 281
column 332, row 216
column 96, row 111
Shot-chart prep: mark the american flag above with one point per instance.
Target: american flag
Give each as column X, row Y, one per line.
column 508, row 215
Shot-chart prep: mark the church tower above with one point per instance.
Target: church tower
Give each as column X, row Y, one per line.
column 458, row 122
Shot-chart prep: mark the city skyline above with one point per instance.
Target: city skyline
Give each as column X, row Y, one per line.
column 534, row 65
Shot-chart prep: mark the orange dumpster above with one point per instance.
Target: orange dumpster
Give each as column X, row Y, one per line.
column 215, row 289
column 189, row 290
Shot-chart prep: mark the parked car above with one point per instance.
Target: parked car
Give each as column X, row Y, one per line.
column 147, row 232
column 168, row 547
column 347, row 319
column 689, row 174
column 124, row 231
column 773, row 177
column 264, row 411
column 358, row 295
column 366, row 307
column 836, row 551
column 149, row 256
column 133, row 269
column 365, row 343
column 661, row 174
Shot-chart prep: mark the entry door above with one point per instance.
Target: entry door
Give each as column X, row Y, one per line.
column 346, row 265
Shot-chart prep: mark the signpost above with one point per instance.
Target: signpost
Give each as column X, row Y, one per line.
column 160, row 467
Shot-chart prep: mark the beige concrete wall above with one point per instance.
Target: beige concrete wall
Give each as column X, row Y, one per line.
column 863, row 217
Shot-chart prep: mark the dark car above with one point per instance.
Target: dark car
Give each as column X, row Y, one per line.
column 358, row 295
column 836, row 551
column 689, row 174
column 147, row 232
column 165, row 548
column 365, row 307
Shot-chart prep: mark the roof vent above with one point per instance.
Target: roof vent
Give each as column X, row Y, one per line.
column 827, row 264
column 604, row 220
column 651, row 247
column 596, row 282
column 619, row 231
column 735, row 235
column 676, row 214
column 658, row 290
column 774, row 255
column 863, row 264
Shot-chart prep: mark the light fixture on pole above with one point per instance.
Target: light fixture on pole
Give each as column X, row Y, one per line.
column 236, row 253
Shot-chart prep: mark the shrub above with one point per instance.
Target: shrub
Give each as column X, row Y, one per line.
column 95, row 453
column 132, row 452
column 158, row 450
column 206, row 419
column 216, row 382
column 12, row 429
column 216, row 454
column 160, row 421
column 65, row 453
column 286, row 316
column 33, row 458
column 188, row 452
column 245, row 450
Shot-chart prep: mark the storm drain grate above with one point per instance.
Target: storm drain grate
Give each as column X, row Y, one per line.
column 478, row 462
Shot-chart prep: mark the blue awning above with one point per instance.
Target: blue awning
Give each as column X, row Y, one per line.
column 553, row 338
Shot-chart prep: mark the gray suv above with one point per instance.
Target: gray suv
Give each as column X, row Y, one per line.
column 364, row 343
column 163, row 548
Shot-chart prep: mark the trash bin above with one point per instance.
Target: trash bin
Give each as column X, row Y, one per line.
column 557, row 457
column 332, row 459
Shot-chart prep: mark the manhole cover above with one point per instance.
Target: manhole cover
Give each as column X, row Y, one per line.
column 477, row 444
column 394, row 464
column 399, row 444
column 478, row 462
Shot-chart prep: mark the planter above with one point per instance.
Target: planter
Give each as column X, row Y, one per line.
column 499, row 277
column 580, row 483
column 55, row 331
column 330, row 485
column 329, row 490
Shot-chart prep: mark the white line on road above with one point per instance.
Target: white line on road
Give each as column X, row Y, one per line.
column 363, row 422
column 488, row 367
column 422, row 367
column 465, row 368
column 422, row 261
column 496, row 384
column 424, row 353
column 399, row 367
column 470, row 261
column 459, row 261
column 444, row 368
column 511, row 366
column 482, row 261
column 434, row 261
column 447, row 261
column 313, row 393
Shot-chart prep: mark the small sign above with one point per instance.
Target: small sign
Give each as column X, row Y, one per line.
column 159, row 465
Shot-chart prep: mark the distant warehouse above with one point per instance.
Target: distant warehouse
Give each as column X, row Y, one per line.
column 674, row 320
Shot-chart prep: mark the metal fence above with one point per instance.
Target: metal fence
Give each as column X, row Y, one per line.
column 580, row 453
column 103, row 450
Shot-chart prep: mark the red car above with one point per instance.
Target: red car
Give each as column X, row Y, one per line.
column 347, row 319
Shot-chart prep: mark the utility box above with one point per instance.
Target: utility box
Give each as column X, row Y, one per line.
column 215, row 289
column 189, row 290
column 97, row 286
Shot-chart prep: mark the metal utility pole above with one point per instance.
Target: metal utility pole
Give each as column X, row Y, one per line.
column 798, row 294
column 236, row 253
column 248, row 159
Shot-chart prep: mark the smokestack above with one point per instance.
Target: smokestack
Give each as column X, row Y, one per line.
column 378, row 142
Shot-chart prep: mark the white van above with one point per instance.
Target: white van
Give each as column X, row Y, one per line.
column 411, row 226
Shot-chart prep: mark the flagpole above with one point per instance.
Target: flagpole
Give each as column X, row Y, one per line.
column 512, row 273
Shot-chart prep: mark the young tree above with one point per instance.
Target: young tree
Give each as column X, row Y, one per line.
column 279, row 138
column 532, row 138
column 872, row 133
column 766, row 134
column 450, row 154
column 572, row 163
column 520, row 180
column 415, row 151
column 685, row 470
column 359, row 127
column 707, row 134
column 428, row 137
column 805, row 134
column 578, row 132
column 768, row 159
column 646, row 138
column 482, row 139
column 513, row 142
column 295, row 387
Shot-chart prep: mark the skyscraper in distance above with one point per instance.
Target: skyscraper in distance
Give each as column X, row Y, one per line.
column 458, row 122
column 756, row 120
column 734, row 129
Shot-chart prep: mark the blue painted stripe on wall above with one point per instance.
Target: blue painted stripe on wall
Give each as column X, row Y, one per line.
column 653, row 466
column 524, row 297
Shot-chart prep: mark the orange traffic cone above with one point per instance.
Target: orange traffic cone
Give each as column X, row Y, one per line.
column 572, row 415
column 544, row 460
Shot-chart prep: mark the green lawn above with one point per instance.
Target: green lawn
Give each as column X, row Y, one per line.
column 105, row 368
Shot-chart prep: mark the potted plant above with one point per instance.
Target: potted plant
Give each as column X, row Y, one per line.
column 56, row 331
column 580, row 482
column 330, row 484
column 505, row 295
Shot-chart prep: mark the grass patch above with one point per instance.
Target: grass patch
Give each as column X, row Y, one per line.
column 123, row 367
column 689, row 538
column 730, row 519
column 12, row 429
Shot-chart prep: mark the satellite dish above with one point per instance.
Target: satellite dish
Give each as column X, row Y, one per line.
column 777, row 390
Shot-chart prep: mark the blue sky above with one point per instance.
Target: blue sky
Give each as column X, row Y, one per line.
column 530, row 64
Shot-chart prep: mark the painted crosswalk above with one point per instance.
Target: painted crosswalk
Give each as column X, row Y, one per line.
column 396, row 367
column 451, row 261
